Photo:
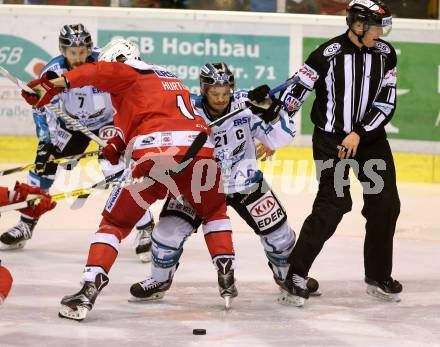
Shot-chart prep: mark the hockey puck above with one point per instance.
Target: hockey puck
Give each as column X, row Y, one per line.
column 199, row 331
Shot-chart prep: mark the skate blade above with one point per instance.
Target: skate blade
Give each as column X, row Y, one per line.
column 380, row 294
column 289, row 299
column 317, row 293
column 228, row 302
column 154, row 297
column 79, row 314
column 145, row 257
column 18, row 245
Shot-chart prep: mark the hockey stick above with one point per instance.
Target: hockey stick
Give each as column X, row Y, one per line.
column 66, row 118
column 64, row 160
column 19, row 83
column 109, row 182
column 294, row 80
column 290, row 81
column 192, row 151
column 32, row 199
column 76, row 125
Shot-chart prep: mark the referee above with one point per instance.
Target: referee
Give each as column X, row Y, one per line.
column 354, row 76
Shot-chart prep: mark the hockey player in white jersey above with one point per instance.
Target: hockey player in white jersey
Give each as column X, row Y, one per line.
column 93, row 109
column 246, row 190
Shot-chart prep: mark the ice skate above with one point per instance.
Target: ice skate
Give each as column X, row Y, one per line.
column 226, row 281
column 313, row 286
column 385, row 290
column 143, row 242
column 149, row 290
column 78, row 305
column 294, row 291
column 16, row 237
column 311, row 283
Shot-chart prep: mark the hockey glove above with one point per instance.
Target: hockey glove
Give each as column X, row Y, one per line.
column 45, row 90
column 113, row 150
column 45, row 153
column 259, row 94
column 21, row 192
column 267, row 110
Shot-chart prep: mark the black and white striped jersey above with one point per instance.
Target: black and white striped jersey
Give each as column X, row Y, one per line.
column 355, row 88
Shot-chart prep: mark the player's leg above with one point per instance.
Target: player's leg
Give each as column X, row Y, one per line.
column 332, row 201
column 209, row 203
column 17, row 236
column 74, row 143
column 264, row 213
column 144, row 228
column 122, row 210
column 176, row 223
column 381, row 210
column 145, row 225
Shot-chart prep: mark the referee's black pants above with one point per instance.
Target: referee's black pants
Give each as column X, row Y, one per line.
column 381, row 209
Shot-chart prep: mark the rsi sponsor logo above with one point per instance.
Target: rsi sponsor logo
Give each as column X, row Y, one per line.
column 241, row 121
column 263, row 207
column 107, row 132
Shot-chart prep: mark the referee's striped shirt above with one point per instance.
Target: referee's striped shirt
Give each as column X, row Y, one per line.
column 355, row 88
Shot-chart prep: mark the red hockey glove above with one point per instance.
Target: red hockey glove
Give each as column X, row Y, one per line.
column 21, row 192
column 113, row 150
column 46, row 90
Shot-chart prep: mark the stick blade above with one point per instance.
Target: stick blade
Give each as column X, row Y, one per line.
column 79, row 202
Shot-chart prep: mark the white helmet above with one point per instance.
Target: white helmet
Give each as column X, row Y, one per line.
column 119, row 47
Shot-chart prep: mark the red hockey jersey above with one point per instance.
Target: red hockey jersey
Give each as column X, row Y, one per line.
column 4, row 196
column 153, row 105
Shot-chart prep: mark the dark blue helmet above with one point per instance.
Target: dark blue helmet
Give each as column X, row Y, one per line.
column 74, row 35
column 215, row 74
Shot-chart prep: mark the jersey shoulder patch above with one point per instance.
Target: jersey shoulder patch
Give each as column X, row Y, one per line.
column 382, row 47
column 239, row 94
column 331, row 49
column 95, row 53
column 57, row 64
column 197, row 100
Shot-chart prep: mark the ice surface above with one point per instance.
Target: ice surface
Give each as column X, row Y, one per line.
column 50, row 266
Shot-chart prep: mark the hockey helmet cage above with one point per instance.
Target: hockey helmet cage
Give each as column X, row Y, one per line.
column 118, row 48
column 215, row 74
column 74, row 35
column 371, row 13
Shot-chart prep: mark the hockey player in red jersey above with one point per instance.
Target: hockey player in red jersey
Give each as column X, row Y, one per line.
column 156, row 125
column 19, row 194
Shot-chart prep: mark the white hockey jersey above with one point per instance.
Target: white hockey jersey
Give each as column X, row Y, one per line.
column 89, row 105
column 233, row 139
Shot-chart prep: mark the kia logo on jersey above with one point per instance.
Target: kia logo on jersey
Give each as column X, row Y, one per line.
column 107, row 132
column 263, row 207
